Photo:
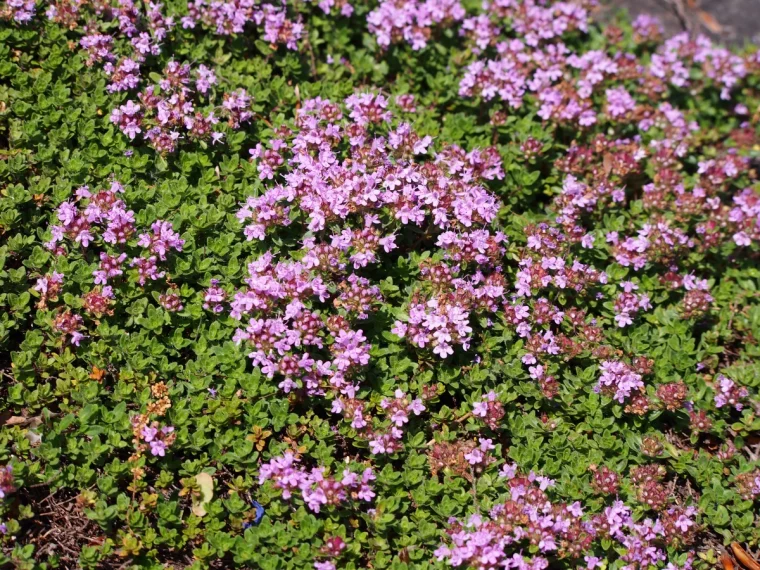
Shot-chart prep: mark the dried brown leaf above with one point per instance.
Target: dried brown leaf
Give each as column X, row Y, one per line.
column 709, row 21
column 744, row 559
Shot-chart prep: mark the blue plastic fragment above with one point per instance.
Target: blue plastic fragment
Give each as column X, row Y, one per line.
column 259, row 512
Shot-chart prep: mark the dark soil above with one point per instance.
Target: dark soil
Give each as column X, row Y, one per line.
column 727, row 21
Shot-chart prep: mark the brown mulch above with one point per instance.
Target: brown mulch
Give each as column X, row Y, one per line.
column 59, row 527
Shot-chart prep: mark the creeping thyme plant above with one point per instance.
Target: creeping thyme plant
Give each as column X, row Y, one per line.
column 387, row 284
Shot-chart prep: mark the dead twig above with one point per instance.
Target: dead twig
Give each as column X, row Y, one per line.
column 744, row 559
column 680, row 11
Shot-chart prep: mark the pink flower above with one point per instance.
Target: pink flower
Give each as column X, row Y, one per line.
column 158, row 448
column 742, row 239
column 149, row 433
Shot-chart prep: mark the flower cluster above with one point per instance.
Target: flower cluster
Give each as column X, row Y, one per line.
column 618, row 380
column 6, row 488
column 647, row 28
column 158, row 438
column 478, row 457
column 167, row 111
column 383, row 437
column 214, row 297
column 440, row 325
column 357, row 297
column 103, row 211
column 650, row 492
column 21, row 11
column 412, row 21
column 152, row 435
column 161, row 240
column 98, row 301
column 729, row 394
column 317, row 488
column 530, row 517
column 535, row 61
column 699, row 421
column 672, row 395
column 142, row 29
column 48, row 287
column 69, row 324
column 378, row 185
column 628, row 304
column 6, row 481
column 231, row 17
column 100, row 220
column 489, row 409
column 399, row 408
column 749, row 485
column 171, row 300
column 605, row 481
column 463, row 458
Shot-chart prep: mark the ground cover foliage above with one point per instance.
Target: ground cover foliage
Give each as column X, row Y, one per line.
column 397, row 284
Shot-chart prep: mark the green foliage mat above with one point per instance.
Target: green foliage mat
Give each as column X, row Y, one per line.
column 83, row 375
